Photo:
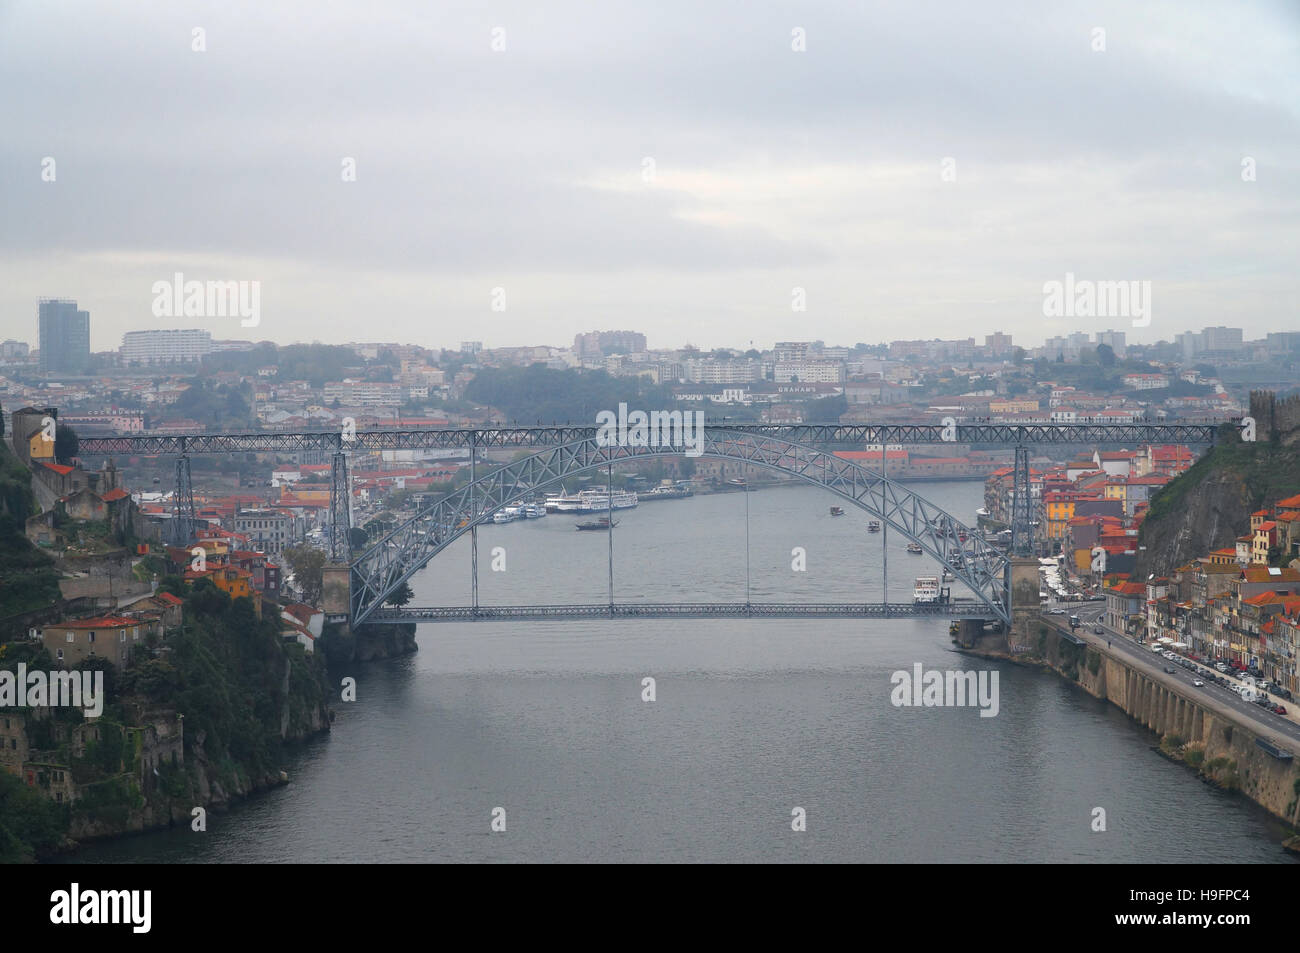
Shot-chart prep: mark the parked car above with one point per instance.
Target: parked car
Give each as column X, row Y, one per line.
column 1279, row 709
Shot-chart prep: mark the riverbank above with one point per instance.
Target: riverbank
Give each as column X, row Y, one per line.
column 1191, row 728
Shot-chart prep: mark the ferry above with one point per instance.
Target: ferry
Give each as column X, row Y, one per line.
column 534, row 510
column 926, row 591
column 561, row 503
column 603, row 523
column 506, row 515
column 600, row 501
column 915, row 549
column 873, row 526
column 837, row 511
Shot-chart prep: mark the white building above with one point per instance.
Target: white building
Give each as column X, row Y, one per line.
column 169, row 346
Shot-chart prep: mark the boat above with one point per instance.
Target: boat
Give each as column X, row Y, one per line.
column 666, row 492
column 837, row 511
column 926, row 591
column 603, row 523
column 600, row 501
column 947, row 576
column 562, row 503
column 873, row 526
column 506, row 515
column 915, row 549
column 534, row 510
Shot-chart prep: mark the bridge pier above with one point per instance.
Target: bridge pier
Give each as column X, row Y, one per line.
column 1025, row 606
column 336, row 591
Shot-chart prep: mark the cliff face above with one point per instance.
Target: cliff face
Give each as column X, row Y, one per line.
column 366, row 643
column 1209, row 506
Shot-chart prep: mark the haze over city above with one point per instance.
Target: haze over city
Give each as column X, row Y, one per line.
column 669, row 168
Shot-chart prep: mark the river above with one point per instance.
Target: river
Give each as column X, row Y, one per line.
column 751, row 720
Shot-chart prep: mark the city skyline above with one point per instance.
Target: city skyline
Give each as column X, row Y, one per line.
column 616, row 170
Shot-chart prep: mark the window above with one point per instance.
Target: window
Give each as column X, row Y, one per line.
column 92, row 636
column 60, row 655
column 122, row 636
column 69, row 639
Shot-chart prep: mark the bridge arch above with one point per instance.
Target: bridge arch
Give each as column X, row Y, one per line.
column 409, row 547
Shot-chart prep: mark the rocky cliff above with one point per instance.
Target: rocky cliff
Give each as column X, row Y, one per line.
column 1209, row 506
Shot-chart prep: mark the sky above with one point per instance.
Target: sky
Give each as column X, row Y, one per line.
column 526, row 171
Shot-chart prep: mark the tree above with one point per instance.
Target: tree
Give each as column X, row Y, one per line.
column 66, row 444
column 400, row 596
column 308, row 566
column 358, row 537
column 1017, row 356
column 1105, row 355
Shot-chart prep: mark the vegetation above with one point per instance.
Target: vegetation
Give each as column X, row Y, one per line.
column 222, row 407
column 66, row 444
column 315, row 363
column 307, row 565
column 540, row 393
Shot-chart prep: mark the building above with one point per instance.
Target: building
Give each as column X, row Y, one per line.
column 171, row 346
column 65, row 336
column 110, row 637
column 267, row 531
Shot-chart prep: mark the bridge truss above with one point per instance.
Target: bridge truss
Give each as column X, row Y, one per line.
column 382, row 568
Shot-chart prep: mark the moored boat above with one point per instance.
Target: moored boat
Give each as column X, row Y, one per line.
column 915, row 549
column 603, row 523
column 873, row 526
column 837, row 511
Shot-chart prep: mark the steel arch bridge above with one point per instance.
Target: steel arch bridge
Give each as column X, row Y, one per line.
column 382, row 568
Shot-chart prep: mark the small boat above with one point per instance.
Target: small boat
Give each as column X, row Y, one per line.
column 873, row 526
column 837, row 511
column 507, row 515
column 603, row 523
column 947, row 576
column 534, row 510
column 915, row 549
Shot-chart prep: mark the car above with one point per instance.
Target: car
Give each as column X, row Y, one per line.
column 1198, row 683
column 1056, row 612
column 1170, row 670
column 1097, row 630
column 1279, row 709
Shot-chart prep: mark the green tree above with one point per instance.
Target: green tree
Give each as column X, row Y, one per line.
column 1105, row 355
column 307, row 565
column 400, row 596
column 66, row 444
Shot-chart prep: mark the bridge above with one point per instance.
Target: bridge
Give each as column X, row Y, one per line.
column 358, row 586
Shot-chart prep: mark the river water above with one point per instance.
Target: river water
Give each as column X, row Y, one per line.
column 751, row 720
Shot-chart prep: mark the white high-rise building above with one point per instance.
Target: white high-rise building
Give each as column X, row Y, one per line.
column 171, row 346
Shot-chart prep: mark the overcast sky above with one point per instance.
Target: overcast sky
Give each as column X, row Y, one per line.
column 526, row 168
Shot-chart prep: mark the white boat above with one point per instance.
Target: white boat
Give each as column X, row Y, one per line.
column 534, row 510
column 601, row 501
column 926, row 591
column 563, row 503
column 915, row 549
column 506, row 515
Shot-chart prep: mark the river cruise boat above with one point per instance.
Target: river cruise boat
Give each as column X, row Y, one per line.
column 926, row 591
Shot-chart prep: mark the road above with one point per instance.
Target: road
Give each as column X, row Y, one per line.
column 1261, row 722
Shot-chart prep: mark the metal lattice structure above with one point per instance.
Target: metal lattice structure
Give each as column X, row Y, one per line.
column 1022, row 528
column 491, row 437
column 340, row 509
column 398, row 555
column 184, row 519
column 964, row 608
